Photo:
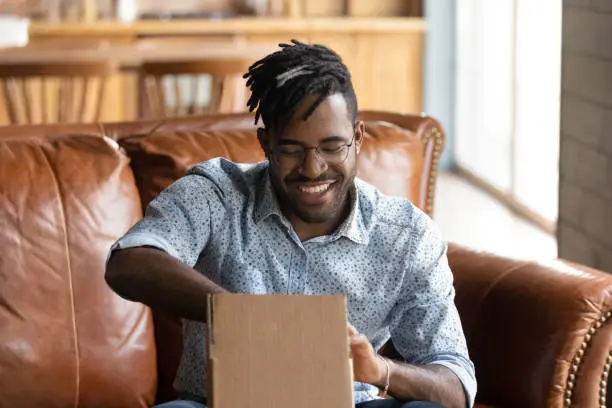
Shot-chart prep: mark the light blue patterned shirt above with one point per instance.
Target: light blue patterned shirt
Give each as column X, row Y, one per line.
column 387, row 258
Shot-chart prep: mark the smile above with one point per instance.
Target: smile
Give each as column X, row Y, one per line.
column 314, row 189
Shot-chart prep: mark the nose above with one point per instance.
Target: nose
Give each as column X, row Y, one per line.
column 312, row 166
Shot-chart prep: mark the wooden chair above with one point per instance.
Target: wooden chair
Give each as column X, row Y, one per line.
column 177, row 88
column 68, row 92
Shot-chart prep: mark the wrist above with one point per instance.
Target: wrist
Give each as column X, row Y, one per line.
column 384, row 372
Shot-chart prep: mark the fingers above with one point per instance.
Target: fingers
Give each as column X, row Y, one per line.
column 360, row 345
column 359, row 339
column 358, row 342
column 356, row 338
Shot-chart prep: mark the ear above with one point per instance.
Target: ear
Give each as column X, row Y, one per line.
column 264, row 140
column 359, row 134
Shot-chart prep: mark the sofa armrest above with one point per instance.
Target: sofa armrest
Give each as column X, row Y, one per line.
column 540, row 334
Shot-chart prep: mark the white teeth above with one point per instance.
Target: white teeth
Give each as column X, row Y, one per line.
column 314, row 190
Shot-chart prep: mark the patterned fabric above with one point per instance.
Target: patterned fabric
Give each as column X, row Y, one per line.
column 387, row 258
column 389, row 403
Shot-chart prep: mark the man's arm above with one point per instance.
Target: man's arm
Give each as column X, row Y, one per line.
column 434, row 383
column 424, row 325
column 152, row 277
column 407, row 382
column 153, row 263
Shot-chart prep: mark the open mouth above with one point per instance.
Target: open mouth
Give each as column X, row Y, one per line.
column 315, row 193
column 314, row 189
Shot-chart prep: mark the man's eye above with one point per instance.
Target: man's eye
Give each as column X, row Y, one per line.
column 290, row 150
column 332, row 148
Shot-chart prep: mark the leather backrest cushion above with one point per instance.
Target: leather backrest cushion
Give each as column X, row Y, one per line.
column 65, row 338
column 196, row 123
column 160, row 158
column 391, row 158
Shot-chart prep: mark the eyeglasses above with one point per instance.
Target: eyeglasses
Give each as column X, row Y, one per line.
column 332, row 152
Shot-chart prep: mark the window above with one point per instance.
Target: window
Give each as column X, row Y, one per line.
column 508, row 98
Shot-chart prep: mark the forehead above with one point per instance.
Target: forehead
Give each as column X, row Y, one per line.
column 330, row 118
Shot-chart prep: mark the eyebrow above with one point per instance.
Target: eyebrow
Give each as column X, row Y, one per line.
column 326, row 140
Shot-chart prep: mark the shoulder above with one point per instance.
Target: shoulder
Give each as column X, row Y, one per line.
column 396, row 217
column 228, row 177
column 390, row 210
column 221, row 170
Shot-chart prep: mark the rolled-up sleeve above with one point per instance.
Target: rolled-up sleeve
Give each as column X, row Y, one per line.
column 178, row 221
column 425, row 326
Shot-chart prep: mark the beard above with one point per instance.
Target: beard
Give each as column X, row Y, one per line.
column 312, row 214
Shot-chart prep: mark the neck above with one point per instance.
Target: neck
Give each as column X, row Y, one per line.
column 306, row 230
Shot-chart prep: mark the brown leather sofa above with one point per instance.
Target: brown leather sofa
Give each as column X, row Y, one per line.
column 540, row 334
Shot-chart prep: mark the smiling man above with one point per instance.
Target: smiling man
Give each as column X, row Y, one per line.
column 302, row 223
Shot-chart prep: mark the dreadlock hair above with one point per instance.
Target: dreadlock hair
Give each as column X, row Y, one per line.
column 283, row 80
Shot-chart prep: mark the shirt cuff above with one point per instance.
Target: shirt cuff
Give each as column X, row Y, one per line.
column 138, row 239
column 465, row 376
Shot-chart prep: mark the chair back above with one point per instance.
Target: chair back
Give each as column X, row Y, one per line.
column 178, row 88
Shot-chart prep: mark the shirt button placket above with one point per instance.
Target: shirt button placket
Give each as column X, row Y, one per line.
column 305, row 272
column 298, row 267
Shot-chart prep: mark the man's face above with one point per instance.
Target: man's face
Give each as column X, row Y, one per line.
column 313, row 184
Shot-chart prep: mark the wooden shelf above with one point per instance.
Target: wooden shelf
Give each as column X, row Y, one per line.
column 245, row 25
column 384, row 55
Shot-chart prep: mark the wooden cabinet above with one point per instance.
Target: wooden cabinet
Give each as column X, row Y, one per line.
column 384, row 8
column 386, row 68
column 384, row 55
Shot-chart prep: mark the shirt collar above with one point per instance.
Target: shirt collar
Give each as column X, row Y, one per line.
column 353, row 227
column 267, row 203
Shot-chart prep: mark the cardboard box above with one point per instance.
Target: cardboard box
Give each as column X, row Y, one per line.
column 278, row 351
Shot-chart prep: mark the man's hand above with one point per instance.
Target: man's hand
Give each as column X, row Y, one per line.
column 434, row 383
column 367, row 366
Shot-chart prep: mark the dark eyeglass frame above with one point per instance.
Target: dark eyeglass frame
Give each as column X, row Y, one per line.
column 299, row 156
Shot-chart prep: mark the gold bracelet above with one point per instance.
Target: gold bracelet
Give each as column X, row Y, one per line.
column 386, row 389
